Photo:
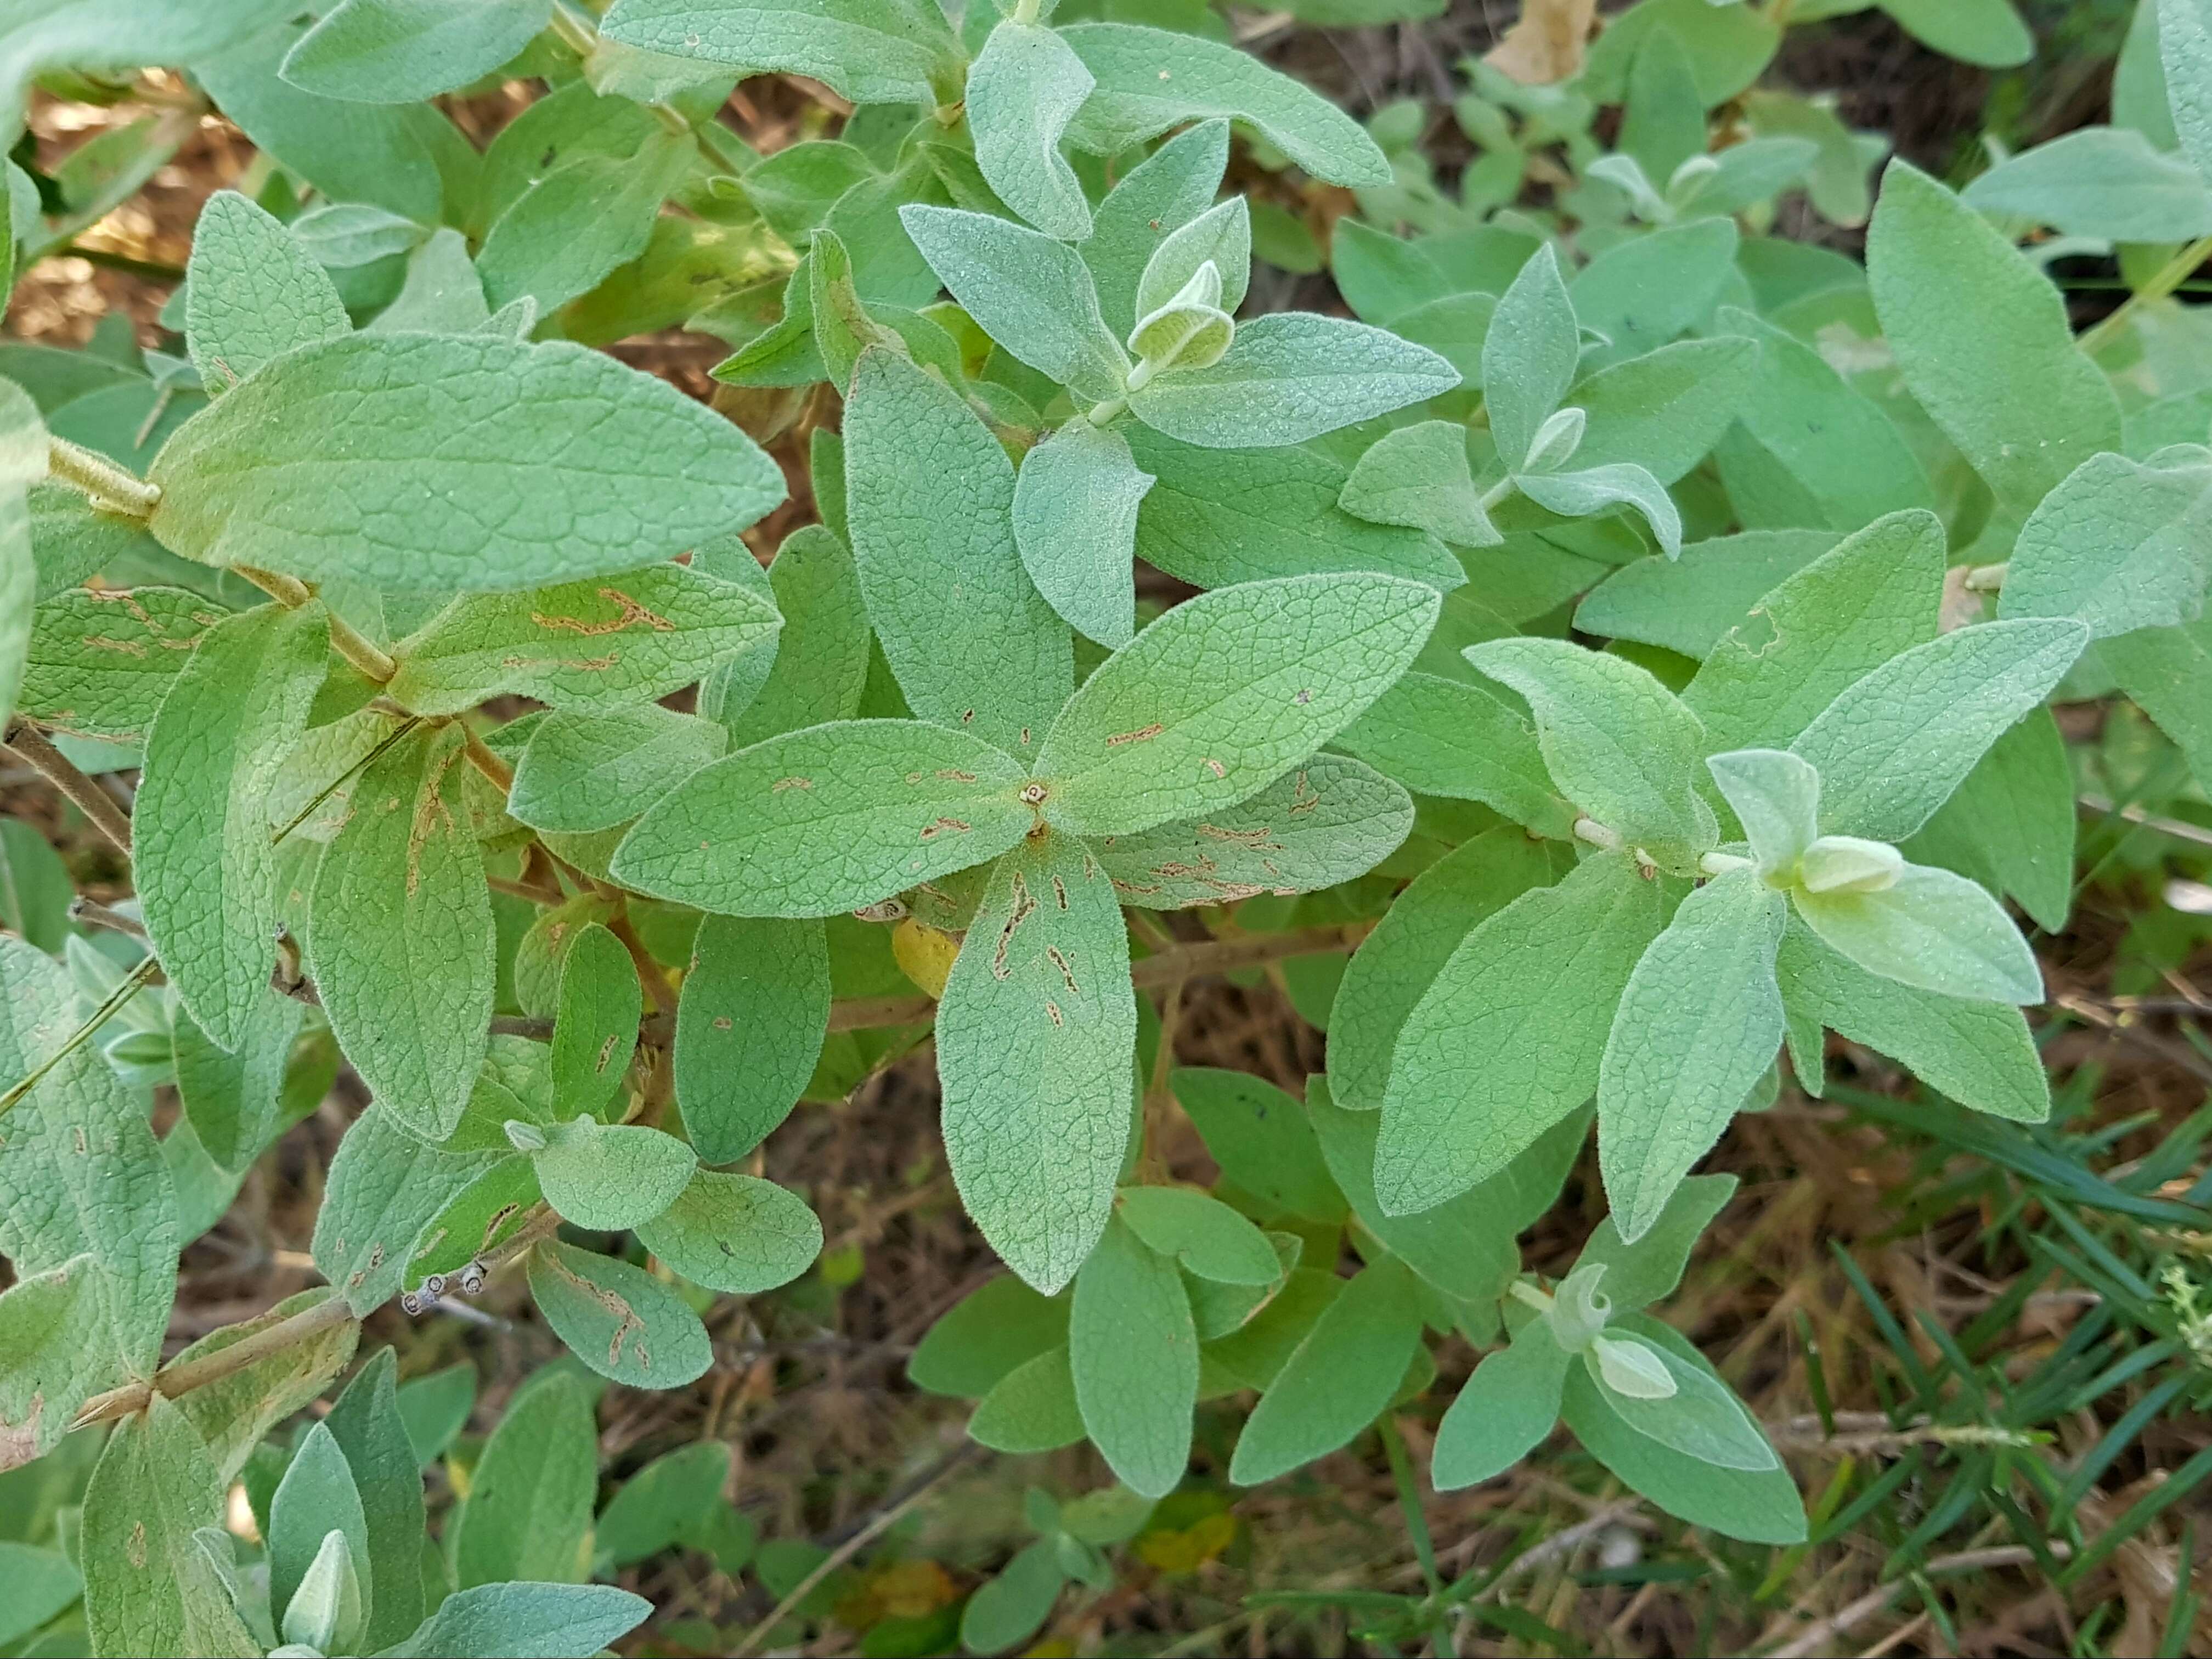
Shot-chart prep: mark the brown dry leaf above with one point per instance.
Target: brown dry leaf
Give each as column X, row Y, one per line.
column 1545, row 45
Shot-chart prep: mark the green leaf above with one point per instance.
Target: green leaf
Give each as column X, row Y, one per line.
column 47, row 1372
column 252, row 293
column 583, row 772
column 1418, row 476
column 1761, row 1507
column 902, row 801
column 525, row 1621
column 1983, row 341
column 100, row 660
column 1777, row 796
column 1507, row 1039
column 822, row 653
column 2168, row 673
column 396, row 52
column 146, row 1589
column 1261, row 1140
column 1225, row 694
column 1201, row 1233
column 1007, row 1610
column 2184, row 50
column 1728, row 46
column 1620, row 745
column 435, row 1408
column 663, row 1502
column 2118, row 544
column 620, row 1321
column 1699, row 1024
column 442, row 294
column 1023, row 90
column 401, row 937
column 580, row 223
column 1460, row 739
column 1503, row 1411
column 591, row 645
column 1989, row 33
column 386, row 1185
column 234, row 1100
column 1648, row 290
column 2011, row 825
column 1032, row 1408
column 1895, row 743
column 1338, row 1379
column 1396, row 962
column 1636, row 1277
column 986, row 1336
column 607, row 1177
column 1530, row 356
column 734, row 1233
column 1839, row 619
column 1215, row 517
column 1934, row 930
column 1328, row 821
column 1979, row 1054
column 528, row 1514
column 866, row 51
column 749, row 1028
column 1687, row 605
column 317, row 1497
column 1463, row 1247
column 42, row 1583
column 205, row 873
column 366, row 1423
column 1030, row 293
column 1036, row 1036
column 595, row 1031
column 1665, row 410
column 1288, row 376
column 325, row 1611
column 1150, row 80
column 1596, row 489
column 1160, row 196
column 234, row 1412
column 1133, row 1353
column 931, row 497
column 469, row 461
column 1222, row 237
column 1698, row 1416
column 2105, row 182
column 1075, row 522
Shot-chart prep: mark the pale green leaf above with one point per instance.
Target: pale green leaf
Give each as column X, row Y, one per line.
column 1895, row 744
column 1133, row 1353
column 1220, row 237
column 400, row 935
column 1598, row 489
column 972, row 642
column 232, row 1099
column 1979, row 1054
column 1503, row 1411
column 1396, row 962
column 1005, row 1612
column 205, row 872
column 1687, row 605
column 1160, row 196
column 1288, row 376
column 595, row 1027
column 1636, row 1277
column 734, row 1233
column 822, row 653
column 442, row 294
column 1620, row 745
column 1330, row 820
column 1989, row 33
column 2184, row 50
column 395, row 51
column 2011, row 825
column 251, row 292
column 1150, row 80
column 1418, row 477
column 999, row 1325
column 2168, row 673
column 1696, row 1414
column 871, row 51
column 100, row 660
column 1775, row 796
column 1036, row 1038
column 47, row 1369
column 667, row 1500
column 529, row 1509
column 749, row 1028
column 1982, row 339
column 525, row 1621
column 2118, row 544
column 385, row 1186
column 1665, row 410
column 1199, row 1232
column 1338, row 1379
column 1698, row 1023
column 367, row 1424
column 1530, row 356
column 119, row 35
column 580, row 223
column 1032, row 1408
column 1075, row 520
column 1215, row 517
column 609, row 1177
column 1260, row 1137
column 1225, row 694
column 1507, row 1039
column 1933, row 930
column 619, row 1319
column 1023, row 90
column 1030, row 293
column 468, row 461
column 1648, row 290
column 1842, row 616
column 582, row 772
column 1460, row 739
column 833, row 818
column 317, row 1497
column 2105, row 182
column 42, row 1583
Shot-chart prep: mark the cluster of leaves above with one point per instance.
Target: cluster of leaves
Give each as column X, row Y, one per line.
column 1846, row 533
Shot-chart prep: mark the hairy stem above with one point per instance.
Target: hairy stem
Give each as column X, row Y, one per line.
column 108, row 485
column 373, row 664
column 94, row 802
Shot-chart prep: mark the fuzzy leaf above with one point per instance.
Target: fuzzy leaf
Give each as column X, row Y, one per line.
column 1160, row 195
column 871, row 51
column 1289, row 376
column 147, row 1588
column 1934, row 930
column 1260, row 1138
column 1201, row 1233
column 1593, row 490
column 2119, row 545
column 1460, row 739
column 396, row 52
column 525, row 1621
column 100, row 660
column 529, row 1509
column 749, row 1028
column 610, row 1177
column 1530, row 356
column 1075, row 520
column 386, row 1185
column 734, row 1233
column 1133, row 1353
column 595, row 1028
column 1338, row 1379
column 584, row 772
column 252, row 292
column 1030, row 293
column 1418, row 475
column 1023, row 90
column 619, row 1319
column 1503, row 1411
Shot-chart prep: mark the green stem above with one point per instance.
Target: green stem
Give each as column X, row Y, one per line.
column 579, row 37
column 108, row 485
column 1409, row 1499
column 132, row 983
column 2170, row 276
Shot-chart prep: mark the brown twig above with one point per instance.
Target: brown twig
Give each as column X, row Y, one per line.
column 1821, row 1637
column 303, row 1326
column 94, row 802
